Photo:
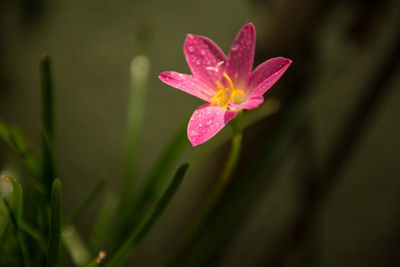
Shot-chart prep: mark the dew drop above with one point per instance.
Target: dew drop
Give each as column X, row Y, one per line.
column 191, row 49
column 235, row 47
column 208, row 123
column 200, row 125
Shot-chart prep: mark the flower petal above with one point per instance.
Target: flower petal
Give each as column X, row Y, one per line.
column 241, row 55
column 267, row 74
column 207, row 121
column 189, row 84
column 251, row 103
column 204, row 58
column 214, row 48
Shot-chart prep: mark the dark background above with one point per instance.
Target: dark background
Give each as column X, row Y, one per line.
column 318, row 183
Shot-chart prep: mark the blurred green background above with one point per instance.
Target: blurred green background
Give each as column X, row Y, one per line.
column 318, row 183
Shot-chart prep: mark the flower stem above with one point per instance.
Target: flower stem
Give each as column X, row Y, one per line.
column 234, row 154
column 210, row 205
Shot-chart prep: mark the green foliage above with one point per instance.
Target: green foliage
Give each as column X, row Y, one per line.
column 16, row 141
column 48, row 172
column 127, row 248
column 42, row 235
column 55, row 225
column 14, row 211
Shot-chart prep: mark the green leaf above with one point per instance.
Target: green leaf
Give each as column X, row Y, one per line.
column 35, row 234
column 87, row 200
column 75, row 246
column 48, row 172
column 92, row 263
column 155, row 179
column 164, row 162
column 159, row 171
column 122, row 255
column 15, row 212
column 55, row 225
column 16, row 200
column 17, row 142
column 96, row 261
column 139, row 73
column 104, row 220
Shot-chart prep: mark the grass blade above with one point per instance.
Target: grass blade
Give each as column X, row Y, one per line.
column 87, row 200
column 103, row 222
column 17, row 142
column 96, row 261
column 126, row 250
column 48, row 172
column 136, row 107
column 16, row 200
column 75, row 246
column 139, row 72
column 55, row 225
column 158, row 173
column 15, row 212
column 35, row 234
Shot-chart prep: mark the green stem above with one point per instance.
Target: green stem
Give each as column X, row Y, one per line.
column 235, row 150
column 128, row 247
column 215, row 196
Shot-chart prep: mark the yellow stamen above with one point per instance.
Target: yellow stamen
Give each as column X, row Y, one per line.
column 220, row 97
column 229, row 80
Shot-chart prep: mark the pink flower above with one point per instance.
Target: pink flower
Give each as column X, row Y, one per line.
column 228, row 84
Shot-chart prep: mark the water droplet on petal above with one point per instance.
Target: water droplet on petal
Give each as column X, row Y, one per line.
column 235, row 47
column 200, row 125
column 191, row 49
column 208, row 123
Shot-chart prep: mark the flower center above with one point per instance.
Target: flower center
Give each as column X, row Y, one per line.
column 227, row 94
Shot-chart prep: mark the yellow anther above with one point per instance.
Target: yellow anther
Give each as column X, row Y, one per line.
column 220, row 98
column 238, row 92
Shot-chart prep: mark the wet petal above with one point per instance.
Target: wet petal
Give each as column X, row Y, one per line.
column 251, row 103
column 189, row 84
column 207, row 121
column 214, row 49
column 241, row 55
column 204, row 57
column 267, row 74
